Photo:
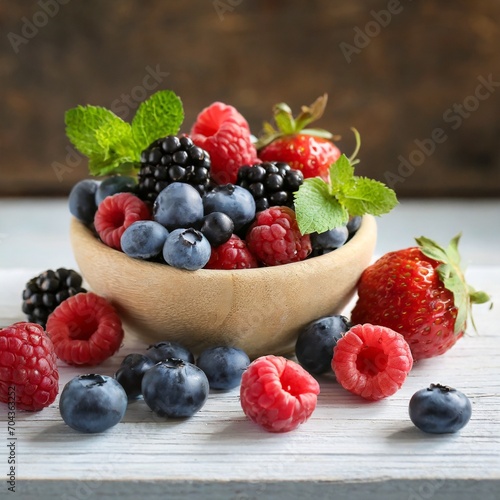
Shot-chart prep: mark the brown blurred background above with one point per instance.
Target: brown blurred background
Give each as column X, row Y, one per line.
column 419, row 80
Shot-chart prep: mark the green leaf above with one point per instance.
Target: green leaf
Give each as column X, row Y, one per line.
column 368, row 196
column 115, row 138
column 161, row 115
column 316, row 209
column 341, row 175
column 82, row 124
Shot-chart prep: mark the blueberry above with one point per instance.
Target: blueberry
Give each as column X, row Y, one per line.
column 82, row 203
column 223, row 366
column 234, row 201
column 186, row 249
column 92, row 403
column 315, row 343
column 354, row 224
column 114, row 184
column 178, row 205
column 174, row 388
column 144, row 239
column 131, row 371
column 166, row 349
column 439, row 409
column 329, row 240
column 217, row 228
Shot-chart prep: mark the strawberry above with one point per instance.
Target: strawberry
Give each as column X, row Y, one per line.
column 421, row 293
column 305, row 149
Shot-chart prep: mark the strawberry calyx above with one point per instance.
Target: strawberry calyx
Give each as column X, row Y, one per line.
column 287, row 124
column 452, row 276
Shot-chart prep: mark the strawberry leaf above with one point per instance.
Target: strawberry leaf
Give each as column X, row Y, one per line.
column 453, row 279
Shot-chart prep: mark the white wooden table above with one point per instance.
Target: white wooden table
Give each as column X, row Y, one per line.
column 349, row 449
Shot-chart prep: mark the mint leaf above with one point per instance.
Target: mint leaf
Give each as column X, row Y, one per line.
column 82, row 124
column 341, row 175
column 368, row 196
column 161, row 115
column 316, row 209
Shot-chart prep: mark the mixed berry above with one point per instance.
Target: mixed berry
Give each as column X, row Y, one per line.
column 217, row 199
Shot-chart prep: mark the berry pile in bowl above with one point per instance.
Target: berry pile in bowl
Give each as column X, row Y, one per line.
column 213, row 237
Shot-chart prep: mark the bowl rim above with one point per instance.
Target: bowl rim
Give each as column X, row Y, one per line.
column 83, row 232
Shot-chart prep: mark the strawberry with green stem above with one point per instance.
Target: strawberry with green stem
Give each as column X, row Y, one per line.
column 310, row 150
column 420, row 292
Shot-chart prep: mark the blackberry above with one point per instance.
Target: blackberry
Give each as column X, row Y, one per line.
column 45, row 292
column 271, row 183
column 172, row 159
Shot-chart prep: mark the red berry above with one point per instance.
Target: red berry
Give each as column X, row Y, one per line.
column 222, row 131
column 233, row 254
column 277, row 393
column 28, row 370
column 372, row 361
column 413, row 294
column 274, row 238
column 115, row 214
column 311, row 155
column 85, row 329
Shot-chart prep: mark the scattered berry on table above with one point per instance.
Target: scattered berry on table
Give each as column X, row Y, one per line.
column 115, row 214
column 235, row 201
column 113, row 185
column 178, row 205
column 43, row 293
column 328, row 241
column 315, row 343
column 85, row 329
column 277, row 393
column 173, row 159
column 223, row 366
column 234, row 254
column 372, row 361
column 28, row 365
column 92, row 403
column 274, row 238
column 217, row 228
column 308, row 150
column 440, row 409
column 81, row 200
column 412, row 292
column 175, row 388
column 165, row 349
column 131, row 371
column 186, row 249
column 143, row 239
column 271, row 183
column 222, row 131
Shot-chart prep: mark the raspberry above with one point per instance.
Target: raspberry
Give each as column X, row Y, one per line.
column 233, row 254
column 28, row 370
column 223, row 132
column 85, row 329
column 372, row 361
column 115, row 214
column 274, row 238
column 278, row 394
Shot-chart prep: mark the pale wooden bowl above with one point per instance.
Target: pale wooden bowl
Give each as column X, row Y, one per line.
column 258, row 310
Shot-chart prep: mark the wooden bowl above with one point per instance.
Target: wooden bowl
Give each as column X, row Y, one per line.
column 258, row 310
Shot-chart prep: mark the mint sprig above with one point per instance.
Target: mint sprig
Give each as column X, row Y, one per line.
column 321, row 206
column 115, row 146
column 452, row 276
